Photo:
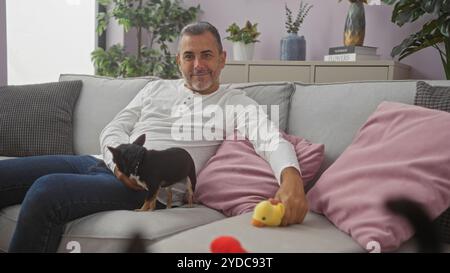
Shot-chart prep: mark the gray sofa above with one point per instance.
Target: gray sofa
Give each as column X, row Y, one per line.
column 325, row 113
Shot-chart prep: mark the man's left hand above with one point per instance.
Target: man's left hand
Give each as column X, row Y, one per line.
column 293, row 197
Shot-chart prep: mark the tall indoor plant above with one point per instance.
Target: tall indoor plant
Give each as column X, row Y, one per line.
column 293, row 47
column 435, row 32
column 243, row 39
column 161, row 20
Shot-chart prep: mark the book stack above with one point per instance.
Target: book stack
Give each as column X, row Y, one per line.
column 351, row 54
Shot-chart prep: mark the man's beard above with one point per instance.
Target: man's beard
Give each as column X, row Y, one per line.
column 201, row 83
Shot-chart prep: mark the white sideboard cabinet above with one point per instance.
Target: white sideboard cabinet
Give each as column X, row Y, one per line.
column 313, row 71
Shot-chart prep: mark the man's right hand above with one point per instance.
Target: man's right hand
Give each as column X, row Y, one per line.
column 129, row 182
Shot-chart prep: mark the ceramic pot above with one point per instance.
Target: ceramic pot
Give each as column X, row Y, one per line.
column 355, row 25
column 293, row 48
column 243, row 52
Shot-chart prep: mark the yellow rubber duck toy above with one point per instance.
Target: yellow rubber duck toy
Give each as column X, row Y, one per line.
column 268, row 213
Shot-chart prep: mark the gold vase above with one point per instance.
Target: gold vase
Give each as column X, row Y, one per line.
column 355, row 25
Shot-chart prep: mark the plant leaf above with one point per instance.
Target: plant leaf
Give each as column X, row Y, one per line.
column 444, row 22
column 429, row 35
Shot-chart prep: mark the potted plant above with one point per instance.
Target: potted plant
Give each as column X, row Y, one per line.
column 355, row 23
column 293, row 47
column 243, row 39
column 435, row 32
column 161, row 20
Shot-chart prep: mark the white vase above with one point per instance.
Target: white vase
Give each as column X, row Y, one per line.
column 243, row 52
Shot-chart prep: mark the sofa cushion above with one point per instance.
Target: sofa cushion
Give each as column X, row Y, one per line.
column 396, row 154
column 112, row 231
column 436, row 97
column 332, row 113
column 8, row 221
column 37, row 119
column 315, row 234
column 100, row 100
column 239, row 178
column 268, row 94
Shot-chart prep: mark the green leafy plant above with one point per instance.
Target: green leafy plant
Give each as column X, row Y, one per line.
column 247, row 34
column 435, row 32
column 294, row 26
column 161, row 20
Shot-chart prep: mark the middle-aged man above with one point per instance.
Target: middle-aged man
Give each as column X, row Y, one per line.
column 56, row 189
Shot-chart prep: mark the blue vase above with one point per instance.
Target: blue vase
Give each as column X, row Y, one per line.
column 293, row 48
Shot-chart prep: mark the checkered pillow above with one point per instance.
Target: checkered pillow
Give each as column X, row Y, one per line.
column 37, row 119
column 433, row 97
column 438, row 98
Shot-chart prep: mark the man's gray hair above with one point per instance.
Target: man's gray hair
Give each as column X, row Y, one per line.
column 200, row 28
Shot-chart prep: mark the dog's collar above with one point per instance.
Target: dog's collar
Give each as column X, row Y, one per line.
column 140, row 157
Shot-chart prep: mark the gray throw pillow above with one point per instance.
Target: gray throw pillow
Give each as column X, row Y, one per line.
column 105, row 97
column 37, row 119
column 269, row 94
column 438, row 98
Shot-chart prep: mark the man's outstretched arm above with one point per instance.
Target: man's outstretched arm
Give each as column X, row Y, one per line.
column 281, row 156
column 292, row 195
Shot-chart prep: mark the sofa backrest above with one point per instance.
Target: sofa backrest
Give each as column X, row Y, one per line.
column 322, row 113
column 101, row 98
column 332, row 113
column 268, row 94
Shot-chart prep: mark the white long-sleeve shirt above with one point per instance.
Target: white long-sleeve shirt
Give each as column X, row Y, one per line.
column 172, row 115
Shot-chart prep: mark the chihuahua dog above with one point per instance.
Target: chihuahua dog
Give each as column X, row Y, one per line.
column 154, row 170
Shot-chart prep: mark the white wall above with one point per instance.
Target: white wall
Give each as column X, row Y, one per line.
column 49, row 37
column 3, row 64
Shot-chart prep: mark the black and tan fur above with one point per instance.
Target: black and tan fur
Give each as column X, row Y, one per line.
column 154, row 169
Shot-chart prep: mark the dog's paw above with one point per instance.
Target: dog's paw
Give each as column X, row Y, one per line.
column 142, row 210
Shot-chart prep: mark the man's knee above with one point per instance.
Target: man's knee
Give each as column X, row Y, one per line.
column 45, row 190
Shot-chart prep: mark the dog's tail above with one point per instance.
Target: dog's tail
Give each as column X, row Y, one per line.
column 426, row 233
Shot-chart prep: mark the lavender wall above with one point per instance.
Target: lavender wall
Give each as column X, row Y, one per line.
column 3, row 63
column 322, row 29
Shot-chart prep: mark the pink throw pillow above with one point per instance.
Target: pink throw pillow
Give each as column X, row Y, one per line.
column 401, row 151
column 236, row 178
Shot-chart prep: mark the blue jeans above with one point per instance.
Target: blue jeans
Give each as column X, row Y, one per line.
column 55, row 190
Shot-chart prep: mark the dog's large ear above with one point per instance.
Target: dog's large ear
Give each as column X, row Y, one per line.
column 140, row 140
column 115, row 152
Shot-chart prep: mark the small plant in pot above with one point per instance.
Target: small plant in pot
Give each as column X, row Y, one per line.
column 293, row 47
column 243, row 39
